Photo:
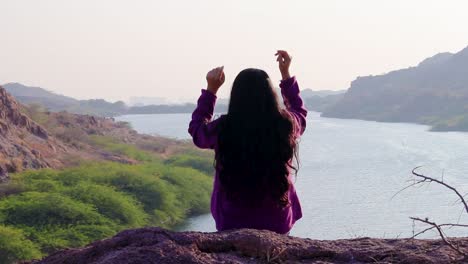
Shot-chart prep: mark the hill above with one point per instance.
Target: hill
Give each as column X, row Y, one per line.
column 306, row 93
column 322, row 103
column 24, row 144
column 30, row 95
column 98, row 107
column 32, row 139
column 435, row 92
column 55, row 103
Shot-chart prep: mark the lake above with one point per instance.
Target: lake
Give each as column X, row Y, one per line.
column 350, row 171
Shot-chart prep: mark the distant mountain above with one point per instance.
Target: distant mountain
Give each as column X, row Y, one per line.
column 35, row 92
column 99, row 107
column 55, row 103
column 321, row 103
column 321, row 100
column 306, row 93
column 144, row 101
column 37, row 95
column 435, row 92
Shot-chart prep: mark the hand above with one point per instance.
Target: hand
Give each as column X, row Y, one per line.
column 284, row 61
column 215, row 79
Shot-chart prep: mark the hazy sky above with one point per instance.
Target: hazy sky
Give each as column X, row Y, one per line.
column 117, row 49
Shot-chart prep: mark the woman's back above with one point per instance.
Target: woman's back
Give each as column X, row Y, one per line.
column 255, row 144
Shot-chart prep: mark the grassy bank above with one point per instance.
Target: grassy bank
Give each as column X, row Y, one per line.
column 46, row 210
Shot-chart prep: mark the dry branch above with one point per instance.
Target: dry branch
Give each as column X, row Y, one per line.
column 430, row 179
column 441, row 234
column 433, row 225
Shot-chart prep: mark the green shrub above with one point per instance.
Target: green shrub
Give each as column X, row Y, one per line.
column 53, row 238
column 193, row 189
column 55, row 209
column 147, row 188
column 15, row 246
column 45, row 209
column 118, row 206
column 203, row 164
column 44, row 185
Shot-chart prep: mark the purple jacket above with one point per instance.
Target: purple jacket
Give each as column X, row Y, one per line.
column 226, row 214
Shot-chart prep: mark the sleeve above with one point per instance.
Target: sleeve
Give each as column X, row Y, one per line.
column 294, row 104
column 202, row 129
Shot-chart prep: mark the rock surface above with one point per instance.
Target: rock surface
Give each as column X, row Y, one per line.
column 23, row 143
column 156, row 245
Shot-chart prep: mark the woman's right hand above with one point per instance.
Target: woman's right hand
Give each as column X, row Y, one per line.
column 215, row 78
column 284, row 61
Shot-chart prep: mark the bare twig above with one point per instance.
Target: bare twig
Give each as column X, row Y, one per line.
column 432, row 225
column 407, row 187
column 441, row 234
column 430, row 179
column 441, row 225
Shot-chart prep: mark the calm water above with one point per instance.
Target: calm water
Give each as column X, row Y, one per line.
column 350, row 171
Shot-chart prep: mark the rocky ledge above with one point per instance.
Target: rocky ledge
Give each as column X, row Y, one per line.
column 156, row 245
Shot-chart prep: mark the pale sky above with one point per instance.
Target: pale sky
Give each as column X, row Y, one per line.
column 116, row 49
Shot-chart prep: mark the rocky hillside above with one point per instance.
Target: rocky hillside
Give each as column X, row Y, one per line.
column 435, row 92
column 155, row 245
column 24, row 143
column 30, row 139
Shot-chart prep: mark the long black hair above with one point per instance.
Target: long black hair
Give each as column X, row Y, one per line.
column 256, row 145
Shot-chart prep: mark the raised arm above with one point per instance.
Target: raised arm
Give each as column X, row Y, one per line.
column 291, row 93
column 202, row 129
column 294, row 104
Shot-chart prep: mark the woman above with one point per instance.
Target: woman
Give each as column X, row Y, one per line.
column 255, row 144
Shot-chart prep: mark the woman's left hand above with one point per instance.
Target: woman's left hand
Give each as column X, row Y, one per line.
column 284, row 61
column 215, row 79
